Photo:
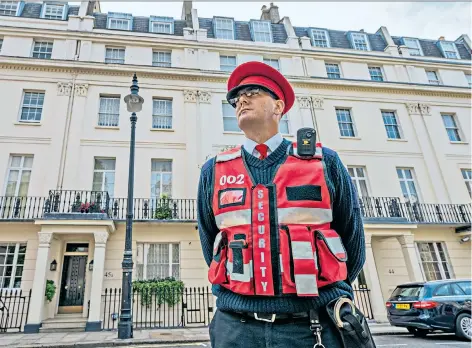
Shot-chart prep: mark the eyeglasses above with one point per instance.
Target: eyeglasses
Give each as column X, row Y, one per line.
column 249, row 92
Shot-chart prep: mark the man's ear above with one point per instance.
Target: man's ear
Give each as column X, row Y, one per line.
column 279, row 107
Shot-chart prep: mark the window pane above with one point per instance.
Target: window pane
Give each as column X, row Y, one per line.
column 104, row 164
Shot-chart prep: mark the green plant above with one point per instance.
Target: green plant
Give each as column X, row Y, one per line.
column 168, row 290
column 50, row 290
column 164, row 209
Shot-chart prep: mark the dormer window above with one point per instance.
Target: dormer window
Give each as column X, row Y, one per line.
column 319, row 37
column 224, row 28
column 359, row 41
column 414, row 47
column 120, row 21
column 11, row 8
column 449, row 49
column 161, row 25
column 55, row 11
column 261, row 31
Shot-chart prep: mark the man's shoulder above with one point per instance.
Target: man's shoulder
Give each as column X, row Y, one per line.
column 330, row 155
column 207, row 167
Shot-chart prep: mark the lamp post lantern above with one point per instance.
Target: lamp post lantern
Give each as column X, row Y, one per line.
column 134, row 103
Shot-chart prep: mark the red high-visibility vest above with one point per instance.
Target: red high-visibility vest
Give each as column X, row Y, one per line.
column 274, row 239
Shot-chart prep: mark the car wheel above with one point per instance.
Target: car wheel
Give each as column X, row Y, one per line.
column 418, row 332
column 464, row 326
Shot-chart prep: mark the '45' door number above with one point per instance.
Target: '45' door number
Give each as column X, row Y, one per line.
column 231, row 179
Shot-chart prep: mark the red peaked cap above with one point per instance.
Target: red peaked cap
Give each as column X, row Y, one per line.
column 261, row 74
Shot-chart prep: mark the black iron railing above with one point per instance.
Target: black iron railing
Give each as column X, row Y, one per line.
column 362, row 300
column 73, row 201
column 21, row 207
column 14, row 309
column 168, row 209
column 155, row 209
column 160, row 308
column 392, row 207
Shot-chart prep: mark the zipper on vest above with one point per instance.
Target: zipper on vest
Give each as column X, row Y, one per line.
column 292, row 266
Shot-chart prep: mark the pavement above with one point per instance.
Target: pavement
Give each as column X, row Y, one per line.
column 141, row 337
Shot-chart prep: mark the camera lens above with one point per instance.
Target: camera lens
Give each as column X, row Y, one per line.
column 308, row 135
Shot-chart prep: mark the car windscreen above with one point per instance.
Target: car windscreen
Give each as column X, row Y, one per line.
column 408, row 293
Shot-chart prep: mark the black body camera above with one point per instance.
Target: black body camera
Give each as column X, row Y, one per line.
column 306, row 142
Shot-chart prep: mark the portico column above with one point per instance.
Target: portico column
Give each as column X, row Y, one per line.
column 373, row 282
column 94, row 323
column 39, row 284
column 411, row 258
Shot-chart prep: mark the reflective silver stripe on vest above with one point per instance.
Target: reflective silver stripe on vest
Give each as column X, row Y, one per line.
column 228, row 156
column 281, row 264
column 336, row 245
column 302, row 250
column 246, row 277
column 306, row 284
column 233, row 218
column 304, row 215
column 217, row 241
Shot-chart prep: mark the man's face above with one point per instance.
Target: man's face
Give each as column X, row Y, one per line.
column 258, row 109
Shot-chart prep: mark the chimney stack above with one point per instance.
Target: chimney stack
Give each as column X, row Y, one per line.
column 187, row 13
column 270, row 14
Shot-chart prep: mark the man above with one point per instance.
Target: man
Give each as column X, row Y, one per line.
column 282, row 235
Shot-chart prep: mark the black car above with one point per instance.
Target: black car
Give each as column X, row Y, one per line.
column 442, row 305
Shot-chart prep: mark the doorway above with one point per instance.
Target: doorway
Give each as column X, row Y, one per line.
column 72, row 291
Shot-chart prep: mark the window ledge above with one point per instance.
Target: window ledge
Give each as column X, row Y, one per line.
column 460, row 142
column 350, row 138
column 229, row 132
column 162, row 130
column 107, row 127
column 400, row 140
column 27, row 123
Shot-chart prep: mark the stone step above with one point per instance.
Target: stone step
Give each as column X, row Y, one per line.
column 58, row 330
column 65, row 324
column 58, row 319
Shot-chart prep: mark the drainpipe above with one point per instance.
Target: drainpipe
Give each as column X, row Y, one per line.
column 313, row 118
column 431, row 144
column 65, row 140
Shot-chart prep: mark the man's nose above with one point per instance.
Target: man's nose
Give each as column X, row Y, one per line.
column 243, row 99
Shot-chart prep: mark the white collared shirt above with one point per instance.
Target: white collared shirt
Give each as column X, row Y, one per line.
column 273, row 143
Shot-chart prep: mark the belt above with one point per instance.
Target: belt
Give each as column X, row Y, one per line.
column 272, row 317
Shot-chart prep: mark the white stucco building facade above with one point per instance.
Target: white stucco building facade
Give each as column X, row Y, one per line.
column 397, row 110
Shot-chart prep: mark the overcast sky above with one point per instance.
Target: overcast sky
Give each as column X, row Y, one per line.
column 428, row 20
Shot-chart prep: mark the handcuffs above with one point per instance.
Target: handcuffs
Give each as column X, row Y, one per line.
column 315, row 325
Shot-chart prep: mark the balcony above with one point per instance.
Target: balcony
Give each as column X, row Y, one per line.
column 69, row 204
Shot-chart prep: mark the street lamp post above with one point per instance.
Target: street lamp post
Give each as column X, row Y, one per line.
column 134, row 104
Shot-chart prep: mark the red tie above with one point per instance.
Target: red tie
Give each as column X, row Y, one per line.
column 262, row 149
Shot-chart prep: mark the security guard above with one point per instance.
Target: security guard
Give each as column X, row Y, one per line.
column 282, row 234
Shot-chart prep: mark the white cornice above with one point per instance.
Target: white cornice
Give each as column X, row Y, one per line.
column 96, row 68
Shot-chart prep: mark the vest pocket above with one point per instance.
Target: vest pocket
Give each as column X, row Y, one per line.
column 217, row 274
column 303, row 270
column 331, row 257
column 286, row 261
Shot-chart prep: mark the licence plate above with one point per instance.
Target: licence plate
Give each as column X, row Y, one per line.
column 402, row 306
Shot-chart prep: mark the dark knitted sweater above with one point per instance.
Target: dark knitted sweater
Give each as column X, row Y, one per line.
column 347, row 221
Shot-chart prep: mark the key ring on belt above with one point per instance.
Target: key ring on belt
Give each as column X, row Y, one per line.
column 318, row 343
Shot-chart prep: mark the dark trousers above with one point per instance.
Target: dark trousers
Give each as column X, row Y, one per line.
column 227, row 330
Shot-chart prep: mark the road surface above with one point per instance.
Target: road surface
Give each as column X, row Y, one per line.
column 386, row 341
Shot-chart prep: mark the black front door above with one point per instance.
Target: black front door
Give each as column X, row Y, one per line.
column 73, row 281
